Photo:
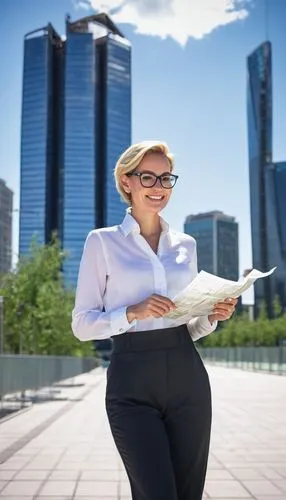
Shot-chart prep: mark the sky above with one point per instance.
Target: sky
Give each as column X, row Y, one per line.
column 188, row 89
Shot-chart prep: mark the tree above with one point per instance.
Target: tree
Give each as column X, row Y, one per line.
column 37, row 306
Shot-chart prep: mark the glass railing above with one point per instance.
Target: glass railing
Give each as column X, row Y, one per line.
column 264, row 359
column 21, row 373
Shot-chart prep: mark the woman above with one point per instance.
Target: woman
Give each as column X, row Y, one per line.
column 158, row 396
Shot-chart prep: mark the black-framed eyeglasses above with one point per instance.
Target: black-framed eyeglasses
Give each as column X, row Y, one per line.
column 149, row 180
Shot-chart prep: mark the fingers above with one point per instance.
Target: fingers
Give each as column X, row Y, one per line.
column 224, row 310
column 158, row 311
column 159, row 306
column 164, row 301
column 232, row 301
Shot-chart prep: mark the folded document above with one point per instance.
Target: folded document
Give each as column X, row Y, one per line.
column 199, row 297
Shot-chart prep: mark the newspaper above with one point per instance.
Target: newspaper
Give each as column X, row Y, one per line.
column 199, row 297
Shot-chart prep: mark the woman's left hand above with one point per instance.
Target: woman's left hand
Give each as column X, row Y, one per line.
column 223, row 310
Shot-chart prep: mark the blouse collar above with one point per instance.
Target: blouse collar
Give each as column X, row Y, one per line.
column 130, row 225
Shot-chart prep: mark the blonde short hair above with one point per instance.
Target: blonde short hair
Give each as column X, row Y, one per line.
column 131, row 159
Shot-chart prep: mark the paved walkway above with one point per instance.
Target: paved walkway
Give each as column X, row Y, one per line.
column 62, row 449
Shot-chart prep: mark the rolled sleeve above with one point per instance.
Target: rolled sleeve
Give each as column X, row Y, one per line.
column 200, row 327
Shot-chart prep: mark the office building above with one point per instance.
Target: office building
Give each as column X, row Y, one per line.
column 267, row 184
column 76, row 122
column 216, row 235
column 6, row 210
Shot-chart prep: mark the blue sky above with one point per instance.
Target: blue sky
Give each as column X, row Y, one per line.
column 189, row 89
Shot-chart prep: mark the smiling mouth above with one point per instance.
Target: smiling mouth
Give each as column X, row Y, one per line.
column 155, row 198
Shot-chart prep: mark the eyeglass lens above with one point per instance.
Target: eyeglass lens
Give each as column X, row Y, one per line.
column 149, row 180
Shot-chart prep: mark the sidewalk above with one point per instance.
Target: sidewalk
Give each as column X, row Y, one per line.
column 62, row 449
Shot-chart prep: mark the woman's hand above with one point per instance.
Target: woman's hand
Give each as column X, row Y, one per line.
column 154, row 306
column 223, row 310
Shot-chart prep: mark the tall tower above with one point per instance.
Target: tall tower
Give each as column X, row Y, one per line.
column 6, row 207
column 40, row 141
column 216, row 235
column 76, row 122
column 265, row 176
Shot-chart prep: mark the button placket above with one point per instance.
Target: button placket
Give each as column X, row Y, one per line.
column 159, row 274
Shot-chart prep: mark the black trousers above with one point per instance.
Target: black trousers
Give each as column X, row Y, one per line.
column 158, row 402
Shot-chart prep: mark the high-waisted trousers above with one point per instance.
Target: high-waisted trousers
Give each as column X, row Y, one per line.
column 158, row 402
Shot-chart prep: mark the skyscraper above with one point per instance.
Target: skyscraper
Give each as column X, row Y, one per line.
column 216, row 235
column 6, row 207
column 267, row 179
column 76, row 122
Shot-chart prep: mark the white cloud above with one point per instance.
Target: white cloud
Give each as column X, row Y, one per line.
column 179, row 19
column 82, row 4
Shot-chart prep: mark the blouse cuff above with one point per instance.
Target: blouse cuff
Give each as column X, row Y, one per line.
column 201, row 327
column 119, row 321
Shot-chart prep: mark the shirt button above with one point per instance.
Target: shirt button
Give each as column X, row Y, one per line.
column 121, row 330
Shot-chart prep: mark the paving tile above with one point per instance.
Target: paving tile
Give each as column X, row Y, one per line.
column 281, row 471
column 263, row 487
column 2, row 484
column 54, row 498
column 281, row 484
column 21, row 488
column 246, row 473
column 100, row 465
column 6, row 475
column 226, row 489
column 99, row 489
column 100, row 475
column 64, row 475
column 219, row 474
column 10, row 497
column 272, row 474
column 31, row 475
column 15, row 464
column 124, row 489
column 58, row 488
column 69, row 466
column 276, row 497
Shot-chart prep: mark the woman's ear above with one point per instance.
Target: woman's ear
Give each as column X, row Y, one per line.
column 125, row 183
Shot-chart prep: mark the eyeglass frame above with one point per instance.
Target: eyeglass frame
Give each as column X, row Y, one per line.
column 138, row 174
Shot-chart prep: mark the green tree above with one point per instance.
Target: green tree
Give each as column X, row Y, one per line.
column 37, row 306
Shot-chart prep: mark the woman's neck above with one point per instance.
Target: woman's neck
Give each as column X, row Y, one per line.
column 150, row 224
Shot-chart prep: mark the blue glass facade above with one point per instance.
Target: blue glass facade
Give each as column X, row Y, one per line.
column 217, row 243
column 33, row 197
column 79, row 157
column 266, row 194
column 280, row 192
column 40, row 138
column 118, row 121
column 227, row 249
column 76, row 121
column 203, row 232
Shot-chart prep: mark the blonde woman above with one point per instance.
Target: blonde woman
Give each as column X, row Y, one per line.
column 158, row 397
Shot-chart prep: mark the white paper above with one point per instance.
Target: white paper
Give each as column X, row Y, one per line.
column 199, row 297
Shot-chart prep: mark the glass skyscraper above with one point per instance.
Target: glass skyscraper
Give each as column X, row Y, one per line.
column 76, row 121
column 6, row 209
column 267, row 183
column 39, row 139
column 216, row 235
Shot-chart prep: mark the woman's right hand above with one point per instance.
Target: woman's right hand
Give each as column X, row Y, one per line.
column 154, row 306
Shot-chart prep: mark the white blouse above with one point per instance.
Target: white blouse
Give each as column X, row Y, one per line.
column 118, row 268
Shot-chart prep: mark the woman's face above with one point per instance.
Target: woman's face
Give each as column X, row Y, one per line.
column 149, row 199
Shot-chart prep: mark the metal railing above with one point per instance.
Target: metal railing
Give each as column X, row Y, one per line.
column 264, row 359
column 19, row 373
